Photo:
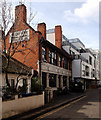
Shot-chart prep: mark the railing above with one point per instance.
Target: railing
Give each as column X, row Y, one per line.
column 88, row 51
column 64, row 37
column 64, row 43
column 76, row 40
column 80, row 57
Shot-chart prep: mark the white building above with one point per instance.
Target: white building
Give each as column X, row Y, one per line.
column 85, row 64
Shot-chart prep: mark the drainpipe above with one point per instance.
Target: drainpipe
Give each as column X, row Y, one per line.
column 40, row 61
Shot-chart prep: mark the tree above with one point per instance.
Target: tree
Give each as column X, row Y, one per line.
column 8, row 20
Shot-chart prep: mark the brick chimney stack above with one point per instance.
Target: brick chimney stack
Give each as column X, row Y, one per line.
column 42, row 28
column 20, row 13
column 58, row 36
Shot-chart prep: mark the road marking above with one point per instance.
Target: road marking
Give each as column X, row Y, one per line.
column 53, row 111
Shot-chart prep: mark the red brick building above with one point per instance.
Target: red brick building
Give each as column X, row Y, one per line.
column 31, row 48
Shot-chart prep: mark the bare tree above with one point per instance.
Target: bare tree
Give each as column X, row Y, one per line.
column 8, row 20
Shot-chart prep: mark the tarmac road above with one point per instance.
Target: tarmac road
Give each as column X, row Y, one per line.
column 85, row 108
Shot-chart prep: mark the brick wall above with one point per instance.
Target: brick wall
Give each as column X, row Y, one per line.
column 58, row 36
column 27, row 51
column 42, row 28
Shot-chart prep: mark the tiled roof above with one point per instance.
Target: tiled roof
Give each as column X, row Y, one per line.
column 15, row 66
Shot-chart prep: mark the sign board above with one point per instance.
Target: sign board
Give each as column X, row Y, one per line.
column 19, row 36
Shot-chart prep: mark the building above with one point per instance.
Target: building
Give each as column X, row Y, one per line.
column 85, row 65
column 18, row 74
column 50, row 62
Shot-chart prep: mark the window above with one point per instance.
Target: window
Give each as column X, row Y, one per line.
column 93, row 73
column 90, row 60
column 87, row 70
column 52, row 58
column 43, row 54
column 64, row 81
column 60, row 60
column 52, row 80
column 64, row 63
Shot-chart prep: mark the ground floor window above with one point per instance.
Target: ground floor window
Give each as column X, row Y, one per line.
column 44, row 80
column 64, row 81
column 59, row 81
column 52, row 80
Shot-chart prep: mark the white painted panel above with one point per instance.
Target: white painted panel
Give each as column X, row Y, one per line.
column 51, row 38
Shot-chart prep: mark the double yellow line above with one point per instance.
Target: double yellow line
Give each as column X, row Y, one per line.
column 53, row 111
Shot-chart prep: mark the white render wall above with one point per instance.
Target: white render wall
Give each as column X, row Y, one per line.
column 51, row 37
column 14, row 76
column 76, row 72
column 21, row 105
column 78, row 67
column 86, row 55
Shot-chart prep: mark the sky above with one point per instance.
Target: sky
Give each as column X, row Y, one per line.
column 78, row 19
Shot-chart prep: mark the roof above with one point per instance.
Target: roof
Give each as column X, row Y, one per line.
column 15, row 66
column 76, row 40
column 61, row 51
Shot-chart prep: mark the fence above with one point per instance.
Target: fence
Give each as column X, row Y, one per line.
column 20, row 105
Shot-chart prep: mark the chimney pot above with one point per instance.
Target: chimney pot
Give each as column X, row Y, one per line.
column 42, row 28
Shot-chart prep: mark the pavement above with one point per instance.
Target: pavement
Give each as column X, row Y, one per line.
column 84, row 108
column 57, row 102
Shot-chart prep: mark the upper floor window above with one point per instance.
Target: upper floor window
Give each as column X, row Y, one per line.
column 43, row 54
column 52, row 58
column 87, row 70
column 64, row 63
column 90, row 60
column 60, row 60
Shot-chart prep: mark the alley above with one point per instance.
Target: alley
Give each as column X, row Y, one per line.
column 86, row 107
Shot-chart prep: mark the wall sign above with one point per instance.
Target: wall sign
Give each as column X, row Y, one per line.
column 19, row 36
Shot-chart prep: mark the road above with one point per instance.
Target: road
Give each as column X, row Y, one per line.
column 87, row 107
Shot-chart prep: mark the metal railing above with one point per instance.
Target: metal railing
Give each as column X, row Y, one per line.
column 64, row 43
column 76, row 40
column 80, row 57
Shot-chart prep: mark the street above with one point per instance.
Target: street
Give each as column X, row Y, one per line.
column 88, row 106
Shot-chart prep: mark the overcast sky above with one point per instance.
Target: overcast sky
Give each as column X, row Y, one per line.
column 78, row 19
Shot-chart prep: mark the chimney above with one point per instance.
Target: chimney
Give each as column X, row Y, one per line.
column 42, row 28
column 20, row 13
column 58, row 36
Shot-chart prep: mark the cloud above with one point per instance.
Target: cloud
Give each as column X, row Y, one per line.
column 88, row 12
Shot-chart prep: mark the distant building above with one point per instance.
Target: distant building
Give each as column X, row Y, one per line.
column 85, row 63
